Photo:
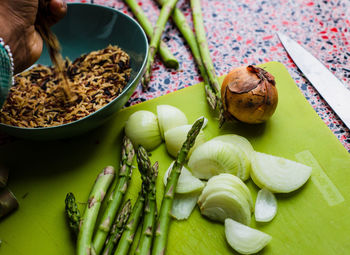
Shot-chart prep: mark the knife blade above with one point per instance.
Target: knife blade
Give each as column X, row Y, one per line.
column 326, row 83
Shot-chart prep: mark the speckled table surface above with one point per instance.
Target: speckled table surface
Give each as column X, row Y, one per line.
column 241, row 32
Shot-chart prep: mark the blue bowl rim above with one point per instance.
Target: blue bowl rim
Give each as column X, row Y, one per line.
column 125, row 90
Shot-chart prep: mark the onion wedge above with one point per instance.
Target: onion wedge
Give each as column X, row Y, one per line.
column 237, row 140
column 183, row 205
column 142, row 129
column 170, row 117
column 175, row 137
column 225, row 204
column 215, row 157
column 230, row 183
column 265, row 206
column 279, row 175
column 244, row 239
column 187, row 183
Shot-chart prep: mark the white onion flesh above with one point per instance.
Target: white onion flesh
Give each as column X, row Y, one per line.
column 142, row 129
column 225, row 204
column 265, row 206
column 183, row 205
column 170, row 117
column 244, row 239
column 237, row 140
column 175, row 137
column 187, row 183
column 229, row 182
column 215, row 157
column 277, row 174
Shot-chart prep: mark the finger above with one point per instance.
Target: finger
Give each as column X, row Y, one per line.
column 58, row 9
column 28, row 55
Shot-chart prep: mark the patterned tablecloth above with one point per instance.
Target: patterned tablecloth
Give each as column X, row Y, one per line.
column 241, row 32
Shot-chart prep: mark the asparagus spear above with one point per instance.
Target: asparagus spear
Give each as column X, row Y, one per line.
column 205, row 54
column 117, row 229
column 168, row 58
column 150, row 210
column 163, row 223
column 164, row 15
column 185, row 29
column 116, row 197
column 72, row 213
column 8, row 202
column 130, row 230
column 88, row 220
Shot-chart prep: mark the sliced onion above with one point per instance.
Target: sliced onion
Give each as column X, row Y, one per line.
column 170, row 117
column 225, row 204
column 175, row 137
column 244, row 239
column 230, row 183
column 187, row 183
column 183, row 205
column 265, row 206
column 278, row 174
column 215, row 157
column 239, row 141
column 142, row 129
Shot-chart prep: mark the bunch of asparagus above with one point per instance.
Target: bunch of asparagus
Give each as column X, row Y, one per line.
column 117, row 236
column 196, row 41
column 83, row 226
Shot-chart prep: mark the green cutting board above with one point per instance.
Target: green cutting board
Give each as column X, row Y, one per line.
column 312, row 220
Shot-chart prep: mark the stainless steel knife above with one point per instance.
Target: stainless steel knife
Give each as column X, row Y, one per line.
column 330, row 88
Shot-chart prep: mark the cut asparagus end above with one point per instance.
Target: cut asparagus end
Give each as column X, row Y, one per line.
column 244, row 239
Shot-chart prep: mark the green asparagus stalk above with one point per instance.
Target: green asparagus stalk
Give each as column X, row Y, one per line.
column 168, row 58
column 163, row 222
column 128, row 235
column 8, row 202
column 116, row 197
column 117, row 229
column 185, row 29
column 164, row 15
column 89, row 218
column 150, row 210
column 72, row 213
column 205, row 55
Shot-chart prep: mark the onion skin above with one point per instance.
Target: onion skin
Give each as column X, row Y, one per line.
column 249, row 94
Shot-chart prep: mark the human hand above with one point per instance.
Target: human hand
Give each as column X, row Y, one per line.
column 17, row 19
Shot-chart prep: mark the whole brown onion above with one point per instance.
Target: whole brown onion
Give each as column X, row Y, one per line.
column 249, row 95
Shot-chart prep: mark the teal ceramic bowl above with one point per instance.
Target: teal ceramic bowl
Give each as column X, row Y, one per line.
column 85, row 28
